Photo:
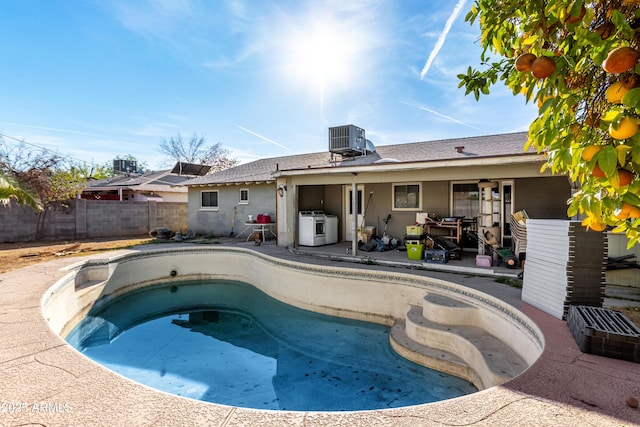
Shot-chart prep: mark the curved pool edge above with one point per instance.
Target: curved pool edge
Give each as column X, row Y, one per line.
column 375, row 296
column 58, row 375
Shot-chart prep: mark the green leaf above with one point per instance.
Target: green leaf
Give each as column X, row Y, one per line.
column 619, row 20
column 608, row 160
column 632, row 98
column 635, row 154
column 576, row 8
column 622, row 151
column 613, row 115
column 631, row 198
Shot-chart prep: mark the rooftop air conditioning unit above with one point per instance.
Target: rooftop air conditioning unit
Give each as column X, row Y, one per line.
column 125, row 166
column 347, row 140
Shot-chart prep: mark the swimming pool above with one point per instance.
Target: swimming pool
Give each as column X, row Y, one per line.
column 429, row 318
column 227, row 342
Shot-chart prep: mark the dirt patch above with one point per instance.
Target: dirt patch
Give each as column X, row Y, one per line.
column 23, row 254
column 633, row 313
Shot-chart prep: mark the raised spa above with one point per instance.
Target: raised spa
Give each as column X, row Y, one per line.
column 207, row 307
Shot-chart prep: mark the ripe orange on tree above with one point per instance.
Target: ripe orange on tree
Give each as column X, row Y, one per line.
column 524, row 61
column 622, row 178
column 543, row 67
column 634, row 212
column 626, row 129
column 616, row 91
column 627, row 211
column 573, row 19
column 597, row 172
column 623, row 212
column 590, row 151
column 620, row 60
column 594, row 223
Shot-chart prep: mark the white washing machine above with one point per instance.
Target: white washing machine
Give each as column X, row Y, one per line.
column 331, row 229
column 311, row 228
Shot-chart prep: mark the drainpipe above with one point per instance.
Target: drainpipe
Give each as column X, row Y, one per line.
column 354, row 218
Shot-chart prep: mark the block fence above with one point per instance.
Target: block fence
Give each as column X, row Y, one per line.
column 86, row 219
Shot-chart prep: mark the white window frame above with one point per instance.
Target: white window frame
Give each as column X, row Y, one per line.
column 451, row 201
column 210, row 208
column 244, row 202
column 405, row 209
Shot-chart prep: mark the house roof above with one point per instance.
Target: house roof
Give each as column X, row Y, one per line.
column 387, row 157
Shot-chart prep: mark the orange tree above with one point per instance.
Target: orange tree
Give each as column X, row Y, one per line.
column 578, row 60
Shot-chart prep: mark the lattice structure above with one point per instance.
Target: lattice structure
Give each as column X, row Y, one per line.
column 604, row 332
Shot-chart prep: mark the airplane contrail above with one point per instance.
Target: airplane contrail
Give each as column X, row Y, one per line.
column 264, row 138
column 429, row 110
column 442, row 37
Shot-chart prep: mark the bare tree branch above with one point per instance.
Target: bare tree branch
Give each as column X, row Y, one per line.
column 195, row 150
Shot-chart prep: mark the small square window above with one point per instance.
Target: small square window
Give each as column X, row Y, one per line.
column 406, row 197
column 244, row 196
column 209, row 199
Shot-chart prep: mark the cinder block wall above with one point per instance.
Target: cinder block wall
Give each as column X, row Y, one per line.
column 17, row 223
column 91, row 219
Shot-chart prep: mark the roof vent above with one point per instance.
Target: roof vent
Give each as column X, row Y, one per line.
column 349, row 141
column 460, row 149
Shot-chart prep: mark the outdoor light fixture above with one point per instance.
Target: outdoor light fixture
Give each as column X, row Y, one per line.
column 281, row 189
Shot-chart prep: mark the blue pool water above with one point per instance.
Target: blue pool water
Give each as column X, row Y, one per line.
column 229, row 343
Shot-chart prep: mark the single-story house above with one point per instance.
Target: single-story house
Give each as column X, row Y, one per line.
column 483, row 180
column 150, row 186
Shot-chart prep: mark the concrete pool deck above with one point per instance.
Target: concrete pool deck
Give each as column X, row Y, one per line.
column 43, row 381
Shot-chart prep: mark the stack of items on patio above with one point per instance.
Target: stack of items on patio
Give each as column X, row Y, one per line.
column 566, row 265
column 414, row 241
column 429, row 247
column 518, row 224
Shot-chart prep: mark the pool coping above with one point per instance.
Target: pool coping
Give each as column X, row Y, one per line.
column 564, row 387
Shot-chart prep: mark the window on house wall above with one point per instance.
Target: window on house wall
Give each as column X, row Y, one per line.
column 465, row 199
column 244, row 196
column 406, row 197
column 209, row 200
column 358, row 200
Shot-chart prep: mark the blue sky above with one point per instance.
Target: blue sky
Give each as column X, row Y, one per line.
column 96, row 79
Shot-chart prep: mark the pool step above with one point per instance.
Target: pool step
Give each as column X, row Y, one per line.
column 452, row 344
column 445, row 310
column 431, row 357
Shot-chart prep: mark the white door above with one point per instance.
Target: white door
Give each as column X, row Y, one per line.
column 348, row 216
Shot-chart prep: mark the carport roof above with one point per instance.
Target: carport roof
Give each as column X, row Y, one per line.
column 264, row 170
